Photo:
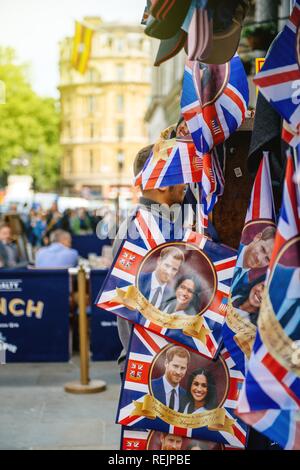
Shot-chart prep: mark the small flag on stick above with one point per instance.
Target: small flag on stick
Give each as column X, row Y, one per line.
column 82, row 44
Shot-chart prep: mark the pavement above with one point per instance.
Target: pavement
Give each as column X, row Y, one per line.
column 36, row 412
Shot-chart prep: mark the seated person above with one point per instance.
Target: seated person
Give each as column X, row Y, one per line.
column 187, row 293
column 59, row 253
column 9, row 253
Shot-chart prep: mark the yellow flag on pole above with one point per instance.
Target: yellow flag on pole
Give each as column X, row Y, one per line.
column 82, row 45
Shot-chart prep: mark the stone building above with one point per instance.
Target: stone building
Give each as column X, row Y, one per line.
column 103, row 110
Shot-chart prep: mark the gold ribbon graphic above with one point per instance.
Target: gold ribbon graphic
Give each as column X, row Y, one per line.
column 244, row 330
column 281, row 347
column 190, row 325
column 215, row 420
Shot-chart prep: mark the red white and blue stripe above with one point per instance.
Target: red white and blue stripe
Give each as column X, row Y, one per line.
column 262, row 202
column 183, row 165
column 279, row 78
column 144, row 346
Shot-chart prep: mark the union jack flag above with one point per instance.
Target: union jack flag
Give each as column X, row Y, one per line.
column 211, row 264
column 279, row 78
column 214, row 101
column 240, row 326
column 146, row 347
column 212, row 181
column 293, row 140
column 270, row 398
column 151, row 440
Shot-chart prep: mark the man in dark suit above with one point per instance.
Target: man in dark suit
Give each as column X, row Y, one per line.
column 167, row 388
column 255, row 255
column 154, row 285
column 284, row 293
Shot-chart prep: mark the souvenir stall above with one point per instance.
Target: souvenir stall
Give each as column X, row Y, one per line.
column 214, row 353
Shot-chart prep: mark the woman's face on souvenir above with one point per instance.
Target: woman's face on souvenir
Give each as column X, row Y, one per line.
column 199, row 388
column 185, row 292
column 255, row 296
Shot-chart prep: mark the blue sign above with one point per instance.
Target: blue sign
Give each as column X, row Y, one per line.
column 105, row 343
column 34, row 315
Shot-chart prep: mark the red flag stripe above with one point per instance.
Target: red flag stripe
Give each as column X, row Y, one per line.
column 226, row 265
column 148, row 339
column 128, row 420
column 236, row 99
column 210, row 345
column 180, row 431
column 209, row 114
column 295, row 16
column 145, row 229
column 142, row 444
column 108, row 304
column 277, row 79
column 239, row 434
column 233, row 392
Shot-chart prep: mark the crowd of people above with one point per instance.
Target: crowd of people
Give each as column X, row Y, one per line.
column 43, row 238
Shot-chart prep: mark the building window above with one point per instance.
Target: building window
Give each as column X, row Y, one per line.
column 120, row 159
column 120, row 130
column 120, row 103
column 68, row 129
column 120, row 72
column 120, row 44
column 69, row 162
column 91, row 75
column 92, row 131
column 91, row 160
column 91, row 104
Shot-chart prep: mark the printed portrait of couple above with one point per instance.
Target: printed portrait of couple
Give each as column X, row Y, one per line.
column 187, row 382
column 177, row 279
column 254, row 256
column 163, row 441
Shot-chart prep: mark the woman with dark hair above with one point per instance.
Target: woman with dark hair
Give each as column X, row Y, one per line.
column 201, row 392
column 187, row 293
column 249, row 298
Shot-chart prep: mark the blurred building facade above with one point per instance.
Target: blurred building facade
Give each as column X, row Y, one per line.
column 166, row 84
column 103, row 110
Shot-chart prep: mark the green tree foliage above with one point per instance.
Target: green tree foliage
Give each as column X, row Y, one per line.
column 29, row 127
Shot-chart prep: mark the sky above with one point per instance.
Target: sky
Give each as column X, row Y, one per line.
column 35, row 27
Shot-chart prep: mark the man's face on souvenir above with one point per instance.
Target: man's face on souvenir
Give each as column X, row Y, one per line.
column 258, row 253
column 167, row 268
column 176, row 370
column 170, row 442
